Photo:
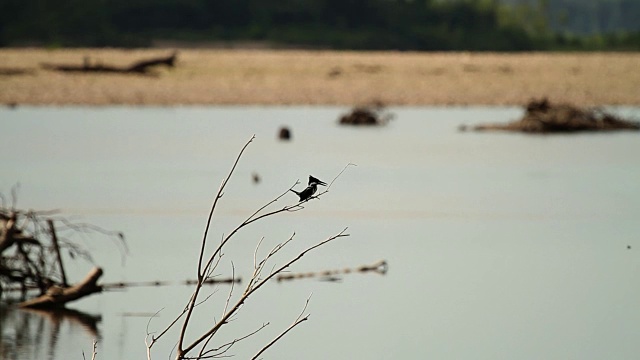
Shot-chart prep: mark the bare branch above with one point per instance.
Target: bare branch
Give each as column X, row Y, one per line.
column 258, row 269
column 94, row 352
column 215, row 202
column 337, row 176
column 201, row 271
column 332, row 181
column 298, row 320
column 254, row 288
column 153, row 339
column 226, row 305
column 222, row 349
column 255, row 253
column 206, row 266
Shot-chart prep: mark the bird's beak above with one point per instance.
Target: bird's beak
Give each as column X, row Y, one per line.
column 322, row 183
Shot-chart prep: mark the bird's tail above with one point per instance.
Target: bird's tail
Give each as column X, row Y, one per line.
column 297, row 193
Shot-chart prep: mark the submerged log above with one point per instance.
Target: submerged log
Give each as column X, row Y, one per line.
column 57, row 297
column 381, row 267
column 139, row 67
column 542, row 117
column 210, row 281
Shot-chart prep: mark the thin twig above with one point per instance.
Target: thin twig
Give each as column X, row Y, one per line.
column 298, row 320
column 226, row 305
column 153, row 339
column 227, row 346
column 336, row 178
column 215, row 201
column 258, row 270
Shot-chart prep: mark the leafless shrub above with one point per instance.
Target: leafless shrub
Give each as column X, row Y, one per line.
column 203, row 345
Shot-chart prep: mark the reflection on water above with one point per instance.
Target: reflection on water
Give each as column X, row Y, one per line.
column 35, row 334
column 500, row 246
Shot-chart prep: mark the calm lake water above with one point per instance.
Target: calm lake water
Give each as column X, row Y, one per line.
column 500, row 246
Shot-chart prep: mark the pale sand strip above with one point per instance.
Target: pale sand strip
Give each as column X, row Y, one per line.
column 326, row 78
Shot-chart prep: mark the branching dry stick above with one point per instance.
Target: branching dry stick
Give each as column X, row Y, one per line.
column 206, row 268
column 254, row 278
column 258, row 268
column 226, row 305
column 252, row 218
column 201, row 271
column 298, row 320
column 94, row 353
column 222, row 349
column 250, row 290
column 202, row 275
column 215, row 203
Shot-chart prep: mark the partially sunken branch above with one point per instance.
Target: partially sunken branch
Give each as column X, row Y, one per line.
column 250, row 290
column 297, row 322
column 57, row 296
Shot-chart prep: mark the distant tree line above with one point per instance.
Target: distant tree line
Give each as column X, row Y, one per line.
column 585, row 17
column 475, row 25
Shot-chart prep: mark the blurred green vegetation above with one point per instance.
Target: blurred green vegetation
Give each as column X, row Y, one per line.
column 474, row 25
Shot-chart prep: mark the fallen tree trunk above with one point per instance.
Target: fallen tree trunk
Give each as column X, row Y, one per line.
column 139, row 67
column 57, row 297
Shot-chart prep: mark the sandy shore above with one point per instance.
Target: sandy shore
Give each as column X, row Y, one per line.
column 323, row 78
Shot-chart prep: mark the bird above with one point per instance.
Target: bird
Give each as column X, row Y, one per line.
column 310, row 190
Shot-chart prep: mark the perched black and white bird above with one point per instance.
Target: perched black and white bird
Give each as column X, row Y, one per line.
column 311, row 189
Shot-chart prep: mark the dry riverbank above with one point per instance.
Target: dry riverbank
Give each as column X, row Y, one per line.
column 279, row 77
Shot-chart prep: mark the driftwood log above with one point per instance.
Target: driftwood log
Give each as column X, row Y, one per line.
column 57, row 297
column 366, row 116
column 543, row 117
column 138, row 67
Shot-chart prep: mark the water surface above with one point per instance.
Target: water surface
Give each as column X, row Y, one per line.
column 500, row 246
